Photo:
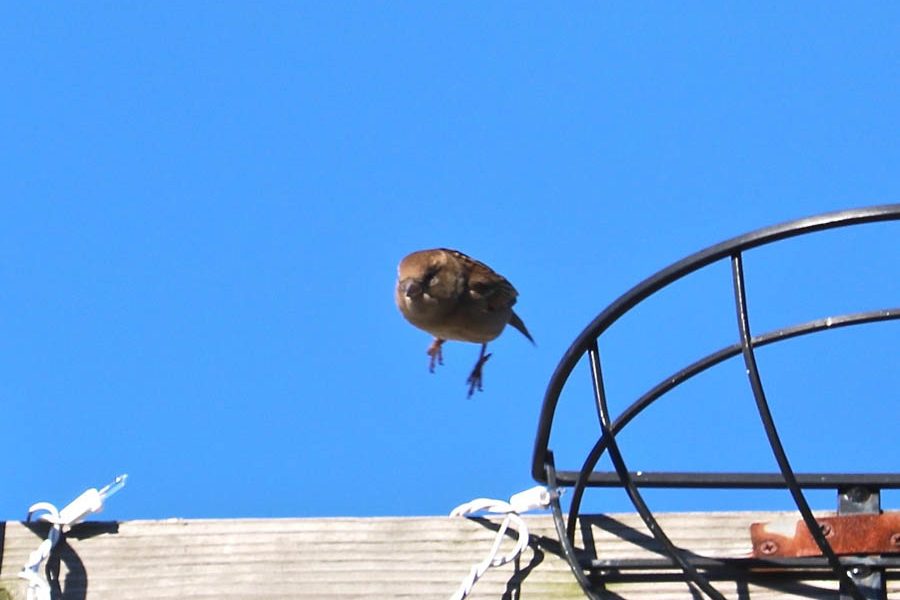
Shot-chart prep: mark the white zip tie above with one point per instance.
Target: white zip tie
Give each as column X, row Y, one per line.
column 536, row 498
column 91, row 501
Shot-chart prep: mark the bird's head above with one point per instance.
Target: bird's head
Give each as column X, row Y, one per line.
column 427, row 278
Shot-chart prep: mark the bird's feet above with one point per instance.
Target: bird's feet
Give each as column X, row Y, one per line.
column 474, row 379
column 434, row 351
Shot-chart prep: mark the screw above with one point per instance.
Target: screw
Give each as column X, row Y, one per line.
column 895, row 540
column 827, row 529
column 768, row 547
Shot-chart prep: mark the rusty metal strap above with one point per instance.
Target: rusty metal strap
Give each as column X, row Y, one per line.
column 847, row 534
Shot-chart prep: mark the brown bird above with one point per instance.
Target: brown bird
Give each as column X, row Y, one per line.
column 455, row 297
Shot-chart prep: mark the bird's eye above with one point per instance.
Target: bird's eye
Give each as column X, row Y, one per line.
column 431, row 278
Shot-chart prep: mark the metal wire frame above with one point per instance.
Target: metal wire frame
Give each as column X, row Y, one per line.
column 543, row 467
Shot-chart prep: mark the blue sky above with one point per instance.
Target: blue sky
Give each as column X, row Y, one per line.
column 204, row 205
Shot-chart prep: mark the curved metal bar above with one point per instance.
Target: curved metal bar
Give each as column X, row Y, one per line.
column 630, row 413
column 568, row 545
column 740, row 300
column 687, row 568
column 705, row 363
column 670, row 274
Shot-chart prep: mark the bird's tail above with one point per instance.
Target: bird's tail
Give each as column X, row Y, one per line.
column 516, row 322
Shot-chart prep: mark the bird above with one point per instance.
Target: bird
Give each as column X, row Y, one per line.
column 452, row 296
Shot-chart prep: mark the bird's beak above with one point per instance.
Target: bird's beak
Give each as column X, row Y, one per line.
column 411, row 288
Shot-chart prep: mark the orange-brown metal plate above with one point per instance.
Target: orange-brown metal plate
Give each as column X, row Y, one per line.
column 847, row 534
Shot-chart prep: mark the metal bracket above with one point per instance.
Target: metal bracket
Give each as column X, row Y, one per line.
column 847, row 534
column 859, row 528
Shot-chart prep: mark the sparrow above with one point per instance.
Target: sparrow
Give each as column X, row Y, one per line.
column 455, row 297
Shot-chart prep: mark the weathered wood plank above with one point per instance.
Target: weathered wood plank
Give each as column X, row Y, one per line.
column 366, row 558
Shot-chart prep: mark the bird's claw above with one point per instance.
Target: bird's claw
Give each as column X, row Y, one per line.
column 436, row 354
column 475, row 379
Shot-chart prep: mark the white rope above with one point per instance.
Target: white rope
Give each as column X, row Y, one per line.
column 91, row 501
column 535, row 498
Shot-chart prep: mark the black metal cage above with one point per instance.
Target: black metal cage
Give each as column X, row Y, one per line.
column 861, row 576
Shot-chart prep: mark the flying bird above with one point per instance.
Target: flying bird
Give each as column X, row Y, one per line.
column 455, row 297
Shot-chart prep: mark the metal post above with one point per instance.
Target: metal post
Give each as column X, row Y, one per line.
column 863, row 500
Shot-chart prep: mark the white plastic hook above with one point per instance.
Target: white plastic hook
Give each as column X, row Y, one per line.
column 89, row 502
column 535, row 498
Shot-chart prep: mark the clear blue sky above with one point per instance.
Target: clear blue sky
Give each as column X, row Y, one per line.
column 204, row 204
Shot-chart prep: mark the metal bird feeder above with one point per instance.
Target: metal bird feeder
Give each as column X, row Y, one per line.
column 830, row 548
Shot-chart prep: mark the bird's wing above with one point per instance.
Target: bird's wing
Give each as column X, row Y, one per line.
column 488, row 286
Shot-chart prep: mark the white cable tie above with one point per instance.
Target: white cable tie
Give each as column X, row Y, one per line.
column 89, row 502
column 111, row 488
column 535, row 498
